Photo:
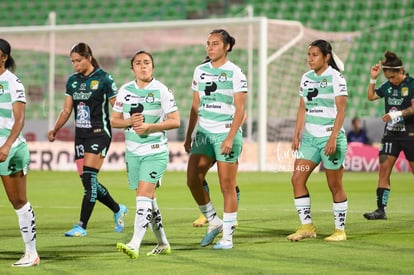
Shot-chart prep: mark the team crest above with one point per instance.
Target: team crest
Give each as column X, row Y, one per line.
column 324, row 83
column 1, row 89
column 404, row 91
column 149, row 98
column 94, row 85
column 222, row 77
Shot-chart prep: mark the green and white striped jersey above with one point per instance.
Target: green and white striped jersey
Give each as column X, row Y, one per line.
column 11, row 91
column 319, row 92
column 155, row 101
column 216, row 87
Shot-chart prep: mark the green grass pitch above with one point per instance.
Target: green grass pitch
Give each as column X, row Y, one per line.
column 266, row 216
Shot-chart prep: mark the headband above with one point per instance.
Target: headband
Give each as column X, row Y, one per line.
column 391, row 67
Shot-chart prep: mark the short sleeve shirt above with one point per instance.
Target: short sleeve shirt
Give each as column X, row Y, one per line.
column 90, row 95
column 11, row 91
column 156, row 101
column 216, row 88
column 319, row 93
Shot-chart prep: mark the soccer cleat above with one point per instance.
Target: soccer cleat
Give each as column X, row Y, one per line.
column 160, row 249
column 76, row 231
column 27, row 260
column 200, row 221
column 119, row 218
column 222, row 244
column 131, row 252
column 378, row 214
column 337, row 236
column 304, row 231
column 212, row 232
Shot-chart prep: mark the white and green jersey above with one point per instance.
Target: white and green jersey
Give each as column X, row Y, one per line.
column 11, row 91
column 319, row 92
column 216, row 87
column 155, row 101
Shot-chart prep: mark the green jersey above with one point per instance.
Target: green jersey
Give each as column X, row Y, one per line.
column 11, row 91
column 154, row 101
column 319, row 92
column 216, row 87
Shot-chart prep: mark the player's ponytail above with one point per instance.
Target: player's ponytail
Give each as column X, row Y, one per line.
column 227, row 38
column 392, row 62
column 326, row 49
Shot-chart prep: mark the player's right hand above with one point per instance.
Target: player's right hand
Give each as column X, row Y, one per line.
column 376, row 69
column 51, row 135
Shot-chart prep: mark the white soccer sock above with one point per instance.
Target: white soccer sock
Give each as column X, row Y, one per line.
column 156, row 224
column 229, row 224
column 142, row 219
column 27, row 225
column 210, row 213
column 303, row 207
column 340, row 209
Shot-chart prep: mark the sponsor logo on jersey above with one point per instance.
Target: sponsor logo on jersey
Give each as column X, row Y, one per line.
column 20, row 94
column 404, row 91
column 306, row 82
column 119, row 104
column 94, row 85
column 395, row 101
column 205, row 75
column 82, row 87
column 81, row 96
column 212, row 106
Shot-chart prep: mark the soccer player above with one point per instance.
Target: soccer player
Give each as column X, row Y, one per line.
column 146, row 109
column 398, row 94
column 14, row 153
column 89, row 91
column 321, row 113
column 218, row 106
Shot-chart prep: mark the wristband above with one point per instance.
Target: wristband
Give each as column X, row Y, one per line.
column 372, row 81
column 394, row 115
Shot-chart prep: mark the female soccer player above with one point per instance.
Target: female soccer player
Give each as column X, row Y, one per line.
column 322, row 106
column 89, row 91
column 146, row 108
column 398, row 94
column 218, row 106
column 14, row 153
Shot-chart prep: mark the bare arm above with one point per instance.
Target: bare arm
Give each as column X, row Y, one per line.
column 192, row 121
column 300, row 122
column 19, row 109
column 403, row 113
column 340, row 102
column 375, row 70
column 239, row 115
column 63, row 117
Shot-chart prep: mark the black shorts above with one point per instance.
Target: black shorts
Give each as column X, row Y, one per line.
column 394, row 147
column 94, row 145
